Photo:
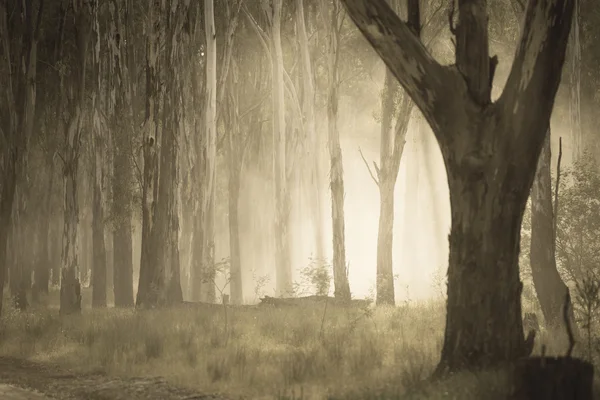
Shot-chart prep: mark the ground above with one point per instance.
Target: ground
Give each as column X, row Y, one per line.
column 203, row 352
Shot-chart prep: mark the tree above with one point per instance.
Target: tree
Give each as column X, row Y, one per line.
column 151, row 281
column 210, row 152
column 160, row 282
column 548, row 284
column 121, row 106
column 336, row 173
column 490, row 150
column 19, row 86
column 308, row 109
column 74, row 91
column 99, row 146
column 282, row 196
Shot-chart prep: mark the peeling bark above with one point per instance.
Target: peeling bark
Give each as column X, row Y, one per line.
column 490, row 152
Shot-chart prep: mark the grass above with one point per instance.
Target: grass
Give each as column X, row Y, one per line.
column 382, row 353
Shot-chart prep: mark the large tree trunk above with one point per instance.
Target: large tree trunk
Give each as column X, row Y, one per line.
column 150, row 280
column 549, row 286
column 70, row 289
column 490, row 151
column 336, row 174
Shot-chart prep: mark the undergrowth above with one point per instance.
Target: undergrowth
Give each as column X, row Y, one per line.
column 261, row 352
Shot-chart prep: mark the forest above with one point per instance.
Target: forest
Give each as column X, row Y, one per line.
column 298, row 199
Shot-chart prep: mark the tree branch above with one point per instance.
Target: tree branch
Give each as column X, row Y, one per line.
column 369, row 168
column 556, row 188
column 423, row 78
column 536, row 71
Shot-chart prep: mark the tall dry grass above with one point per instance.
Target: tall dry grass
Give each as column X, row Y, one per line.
column 292, row 353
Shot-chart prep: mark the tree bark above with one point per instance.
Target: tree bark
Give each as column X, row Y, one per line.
column 44, row 260
column 235, row 148
column 336, row 174
column 490, row 151
column 98, row 201
column 151, row 281
column 98, row 246
column 70, row 288
column 548, row 284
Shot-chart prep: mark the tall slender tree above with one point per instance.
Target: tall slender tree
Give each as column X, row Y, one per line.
column 74, row 90
column 281, row 192
column 336, row 173
column 99, row 149
column 310, row 126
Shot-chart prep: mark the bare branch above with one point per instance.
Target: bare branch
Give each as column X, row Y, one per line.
column 369, row 168
column 424, row 79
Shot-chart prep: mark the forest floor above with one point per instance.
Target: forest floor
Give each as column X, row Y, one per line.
column 250, row 352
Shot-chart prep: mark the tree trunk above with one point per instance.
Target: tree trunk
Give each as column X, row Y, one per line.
column 386, row 183
column 308, row 108
column 283, row 282
column 549, row 286
column 70, row 287
column 235, row 149
column 44, row 260
column 490, row 151
column 18, row 267
column 121, row 106
column 122, row 235
column 574, row 47
column 150, row 281
column 207, row 273
column 20, row 94
column 336, row 174
column 385, row 241
column 98, row 246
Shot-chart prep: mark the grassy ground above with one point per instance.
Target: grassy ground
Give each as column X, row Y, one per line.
column 254, row 352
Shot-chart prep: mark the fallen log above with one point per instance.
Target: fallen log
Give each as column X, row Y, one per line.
column 308, row 301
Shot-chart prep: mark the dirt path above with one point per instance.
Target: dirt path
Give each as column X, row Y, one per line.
column 9, row 392
column 59, row 383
